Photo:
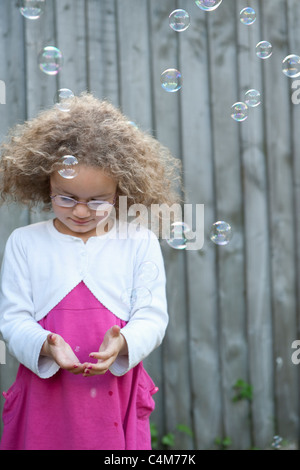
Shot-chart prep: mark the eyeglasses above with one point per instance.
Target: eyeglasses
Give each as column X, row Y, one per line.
column 65, row 201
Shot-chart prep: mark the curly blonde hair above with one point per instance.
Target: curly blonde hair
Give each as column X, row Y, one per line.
column 98, row 135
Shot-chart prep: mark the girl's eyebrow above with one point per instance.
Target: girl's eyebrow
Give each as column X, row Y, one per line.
column 64, row 192
column 59, row 190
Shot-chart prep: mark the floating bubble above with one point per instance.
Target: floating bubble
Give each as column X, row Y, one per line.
column 179, row 20
column 279, row 363
column 252, row 98
column 133, row 124
column 208, row 5
column 50, row 60
column 264, row 49
column 137, row 297
column 276, row 442
column 239, row 111
column 247, row 16
column 93, row 392
column 178, row 239
column 32, row 9
column 63, row 99
column 68, row 170
column 148, row 271
column 291, row 66
column 171, row 80
column 77, row 348
column 221, row 233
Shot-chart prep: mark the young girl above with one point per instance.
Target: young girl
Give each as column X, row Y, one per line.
column 78, row 307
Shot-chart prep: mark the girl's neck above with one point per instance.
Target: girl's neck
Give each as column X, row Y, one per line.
column 98, row 231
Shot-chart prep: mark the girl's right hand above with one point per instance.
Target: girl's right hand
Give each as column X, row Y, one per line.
column 62, row 353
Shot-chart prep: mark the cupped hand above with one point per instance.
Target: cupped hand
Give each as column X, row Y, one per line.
column 62, row 353
column 113, row 345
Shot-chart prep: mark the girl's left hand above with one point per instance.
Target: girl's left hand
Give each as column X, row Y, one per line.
column 113, row 344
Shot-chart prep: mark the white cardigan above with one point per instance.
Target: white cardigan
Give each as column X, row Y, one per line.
column 41, row 266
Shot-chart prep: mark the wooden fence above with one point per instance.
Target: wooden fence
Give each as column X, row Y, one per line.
column 234, row 310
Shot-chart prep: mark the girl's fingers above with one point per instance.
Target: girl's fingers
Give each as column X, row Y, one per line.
column 51, row 338
column 97, row 369
column 101, row 356
column 115, row 330
column 77, row 369
column 105, row 357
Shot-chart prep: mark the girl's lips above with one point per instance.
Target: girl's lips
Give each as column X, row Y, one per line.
column 80, row 222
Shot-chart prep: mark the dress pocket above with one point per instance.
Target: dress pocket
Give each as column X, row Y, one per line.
column 12, row 403
column 144, row 401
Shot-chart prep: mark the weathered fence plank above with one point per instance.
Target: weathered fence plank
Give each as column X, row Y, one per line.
column 228, row 203
column 102, row 46
column 293, row 18
column 135, row 62
column 197, row 150
column 11, row 113
column 71, row 38
column 257, row 271
column 176, row 380
column 281, row 217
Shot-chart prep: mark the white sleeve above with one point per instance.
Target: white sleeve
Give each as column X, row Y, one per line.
column 22, row 333
column 149, row 317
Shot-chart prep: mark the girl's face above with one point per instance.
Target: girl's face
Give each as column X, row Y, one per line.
column 90, row 184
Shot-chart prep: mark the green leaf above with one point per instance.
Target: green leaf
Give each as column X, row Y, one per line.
column 168, row 440
column 185, row 429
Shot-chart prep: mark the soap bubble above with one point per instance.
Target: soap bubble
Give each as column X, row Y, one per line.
column 178, row 239
column 252, row 98
column 93, row 392
column 291, row 66
column 208, row 5
column 133, row 124
column 63, row 99
column 32, row 9
column 239, row 111
column 171, row 80
column 247, row 16
column 264, row 49
column 137, row 298
column 179, row 20
column 276, row 444
column 50, row 60
column 77, row 348
column 148, row 271
column 279, row 363
column 221, row 233
column 68, row 170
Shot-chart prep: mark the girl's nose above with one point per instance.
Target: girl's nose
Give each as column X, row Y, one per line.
column 81, row 210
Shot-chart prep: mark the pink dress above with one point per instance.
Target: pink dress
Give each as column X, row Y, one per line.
column 72, row 412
